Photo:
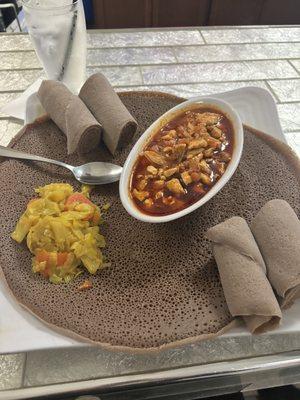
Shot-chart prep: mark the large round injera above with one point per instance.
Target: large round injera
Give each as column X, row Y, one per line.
column 163, row 285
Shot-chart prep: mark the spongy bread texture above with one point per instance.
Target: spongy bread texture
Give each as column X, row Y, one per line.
column 163, row 285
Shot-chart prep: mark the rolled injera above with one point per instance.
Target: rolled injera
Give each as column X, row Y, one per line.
column 276, row 229
column 71, row 115
column 118, row 124
column 163, row 287
column 242, row 271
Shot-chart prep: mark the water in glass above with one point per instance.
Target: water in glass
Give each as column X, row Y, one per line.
column 58, row 31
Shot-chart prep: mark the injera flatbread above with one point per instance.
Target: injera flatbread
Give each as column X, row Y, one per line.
column 163, row 287
column 104, row 103
column 71, row 115
column 276, row 229
column 242, row 271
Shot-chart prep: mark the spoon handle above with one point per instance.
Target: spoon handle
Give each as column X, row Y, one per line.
column 11, row 153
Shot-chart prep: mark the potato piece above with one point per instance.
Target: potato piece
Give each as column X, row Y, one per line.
column 168, row 201
column 216, row 132
column 168, row 149
column 155, row 158
column 205, row 167
column 158, row 185
column 141, row 196
column 175, row 186
column 148, row 202
column 159, row 195
column 197, row 143
column 171, row 171
column 152, row 170
column 186, row 177
column 141, row 184
column 205, row 179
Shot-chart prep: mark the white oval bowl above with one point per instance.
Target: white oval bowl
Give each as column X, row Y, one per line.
column 207, row 102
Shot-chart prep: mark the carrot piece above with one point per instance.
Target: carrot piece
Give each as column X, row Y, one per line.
column 42, row 255
column 96, row 218
column 61, row 258
column 77, row 198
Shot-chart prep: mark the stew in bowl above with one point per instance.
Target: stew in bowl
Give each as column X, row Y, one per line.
column 182, row 160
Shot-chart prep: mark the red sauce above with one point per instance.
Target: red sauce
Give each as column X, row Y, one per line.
column 182, row 161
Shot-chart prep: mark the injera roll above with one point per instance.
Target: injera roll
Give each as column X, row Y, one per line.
column 163, row 287
column 276, row 229
column 118, row 124
column 71, row 115
column 242, row 271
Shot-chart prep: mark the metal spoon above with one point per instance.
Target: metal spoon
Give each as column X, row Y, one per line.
column 94, row 173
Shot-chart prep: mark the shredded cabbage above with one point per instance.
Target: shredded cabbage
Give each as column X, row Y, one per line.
column 63, row 234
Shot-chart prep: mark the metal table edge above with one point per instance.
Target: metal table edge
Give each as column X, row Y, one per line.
column 224, row 369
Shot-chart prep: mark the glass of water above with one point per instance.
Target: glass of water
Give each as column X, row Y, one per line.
column 58, row 31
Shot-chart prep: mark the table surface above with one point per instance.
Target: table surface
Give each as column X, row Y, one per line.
column 185, row 62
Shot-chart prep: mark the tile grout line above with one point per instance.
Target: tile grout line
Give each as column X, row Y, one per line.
column 205, row 44
column 186, row 83
column 289, row 61
column 203, row 38
column 129, row 46
column 272, row 91
column 174, row 54
column 201, row 82
column 166, row 64
column 5, row 91
column 140, row 74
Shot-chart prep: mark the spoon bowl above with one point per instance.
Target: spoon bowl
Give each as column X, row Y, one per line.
column 97, row 173
column 93, row 173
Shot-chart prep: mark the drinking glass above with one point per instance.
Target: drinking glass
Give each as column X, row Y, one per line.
column 58, row 31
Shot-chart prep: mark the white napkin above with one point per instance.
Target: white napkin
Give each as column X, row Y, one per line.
column 27, row 106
